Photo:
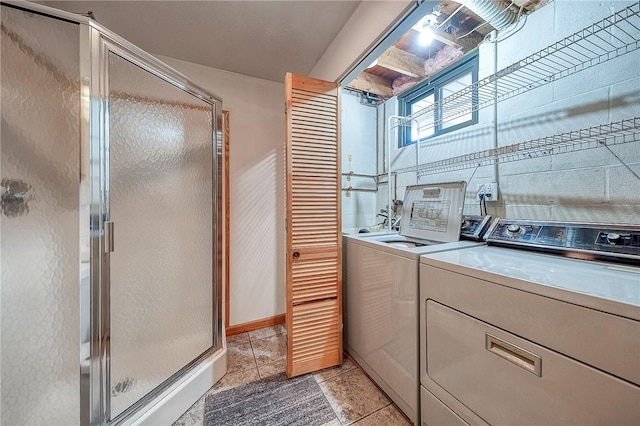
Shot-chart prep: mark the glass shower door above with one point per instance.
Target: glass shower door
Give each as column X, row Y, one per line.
column 160, row 198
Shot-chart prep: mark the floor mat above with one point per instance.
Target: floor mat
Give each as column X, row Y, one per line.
column 276, row 401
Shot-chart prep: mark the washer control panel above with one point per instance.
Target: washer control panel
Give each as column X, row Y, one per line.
column 598, row 240
column 474, row 227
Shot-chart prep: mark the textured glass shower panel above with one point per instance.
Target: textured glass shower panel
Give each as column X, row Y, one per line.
column 39, row 221
column 161, row 189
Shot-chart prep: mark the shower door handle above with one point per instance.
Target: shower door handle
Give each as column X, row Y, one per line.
column 15, row 196
column 108, row 237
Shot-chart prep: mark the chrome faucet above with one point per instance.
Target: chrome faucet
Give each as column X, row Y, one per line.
column 395, row 220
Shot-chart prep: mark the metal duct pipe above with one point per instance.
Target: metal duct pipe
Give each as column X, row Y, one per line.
column 494, row 12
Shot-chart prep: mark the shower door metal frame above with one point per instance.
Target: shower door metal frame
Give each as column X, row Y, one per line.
column 101, row 43
column 94, row 399
column 95, row 44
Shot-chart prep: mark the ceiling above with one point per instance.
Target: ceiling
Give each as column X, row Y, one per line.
column 263, row 39
column 268, row 38
column 406, row 62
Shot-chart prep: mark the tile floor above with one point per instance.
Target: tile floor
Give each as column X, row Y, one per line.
column 261, row 353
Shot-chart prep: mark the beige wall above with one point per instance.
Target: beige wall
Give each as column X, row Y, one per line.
column 256, row 165
column 256, row 175
column 371, row 18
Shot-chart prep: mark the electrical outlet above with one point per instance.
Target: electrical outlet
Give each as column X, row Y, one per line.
column 489, row 189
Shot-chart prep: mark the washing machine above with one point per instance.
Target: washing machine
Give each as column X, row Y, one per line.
column 539, row 327
column 380, row 288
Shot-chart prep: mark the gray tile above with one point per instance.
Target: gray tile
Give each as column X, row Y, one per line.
column 353, row 396
column 238, row 338
column 330, row 372
column 239, row 357
column 267, row 332
column 272, row 368
column 234, row 380
column 270, row 350
column 388, row 416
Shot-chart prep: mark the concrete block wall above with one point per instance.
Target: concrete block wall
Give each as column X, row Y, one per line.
column 590, row 185
column 358, row 140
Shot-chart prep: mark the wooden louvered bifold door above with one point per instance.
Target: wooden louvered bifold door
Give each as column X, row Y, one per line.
column 313, row 243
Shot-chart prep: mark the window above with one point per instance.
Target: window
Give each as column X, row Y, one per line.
column 433, row 116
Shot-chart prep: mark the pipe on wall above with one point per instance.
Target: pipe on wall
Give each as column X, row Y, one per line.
column 495, row 12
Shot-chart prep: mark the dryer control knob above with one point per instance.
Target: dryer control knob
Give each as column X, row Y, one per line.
column 514, row 229
column 614, row 238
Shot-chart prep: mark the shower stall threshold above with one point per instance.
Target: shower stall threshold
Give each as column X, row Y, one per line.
column 176, row 400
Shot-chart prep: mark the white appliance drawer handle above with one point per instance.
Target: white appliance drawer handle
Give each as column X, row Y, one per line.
column 515, row 354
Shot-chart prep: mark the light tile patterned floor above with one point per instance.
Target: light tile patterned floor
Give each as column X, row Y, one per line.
column 261, row 353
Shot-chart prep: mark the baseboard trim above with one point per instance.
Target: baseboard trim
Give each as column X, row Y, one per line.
column 254, row 325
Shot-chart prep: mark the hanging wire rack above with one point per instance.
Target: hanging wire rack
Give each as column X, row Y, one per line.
column 604, row 135
column 602, row 41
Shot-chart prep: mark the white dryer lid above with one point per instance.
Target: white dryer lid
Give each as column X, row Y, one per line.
column 433, row 211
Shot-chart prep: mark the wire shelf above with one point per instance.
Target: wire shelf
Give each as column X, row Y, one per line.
column 602, row 41
column 604, row 135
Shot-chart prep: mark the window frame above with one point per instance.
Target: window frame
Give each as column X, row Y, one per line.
column 434, row 85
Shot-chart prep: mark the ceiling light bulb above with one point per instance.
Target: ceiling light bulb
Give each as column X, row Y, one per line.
column 426, row 36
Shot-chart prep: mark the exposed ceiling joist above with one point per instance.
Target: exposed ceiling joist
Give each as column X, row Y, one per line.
column 442, row 37
column 456, row 31
column 403, row 62
column 471, row 41
column 527, row 4
column 373, row 84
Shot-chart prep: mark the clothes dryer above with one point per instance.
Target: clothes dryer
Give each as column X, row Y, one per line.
column 539, row 327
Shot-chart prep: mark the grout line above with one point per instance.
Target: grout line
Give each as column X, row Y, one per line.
column 274, row 329
column 359, row 367
column 372, row 413
column 356, row 367
column 255, row 365
column 255, row 362
column 264, row 339
column 330, row 404
column 338, row 374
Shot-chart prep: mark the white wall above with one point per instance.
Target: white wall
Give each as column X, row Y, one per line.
column 257, row 276
column 256, row 175
column 371, row 19
column 588, row 186
column 358, row 140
